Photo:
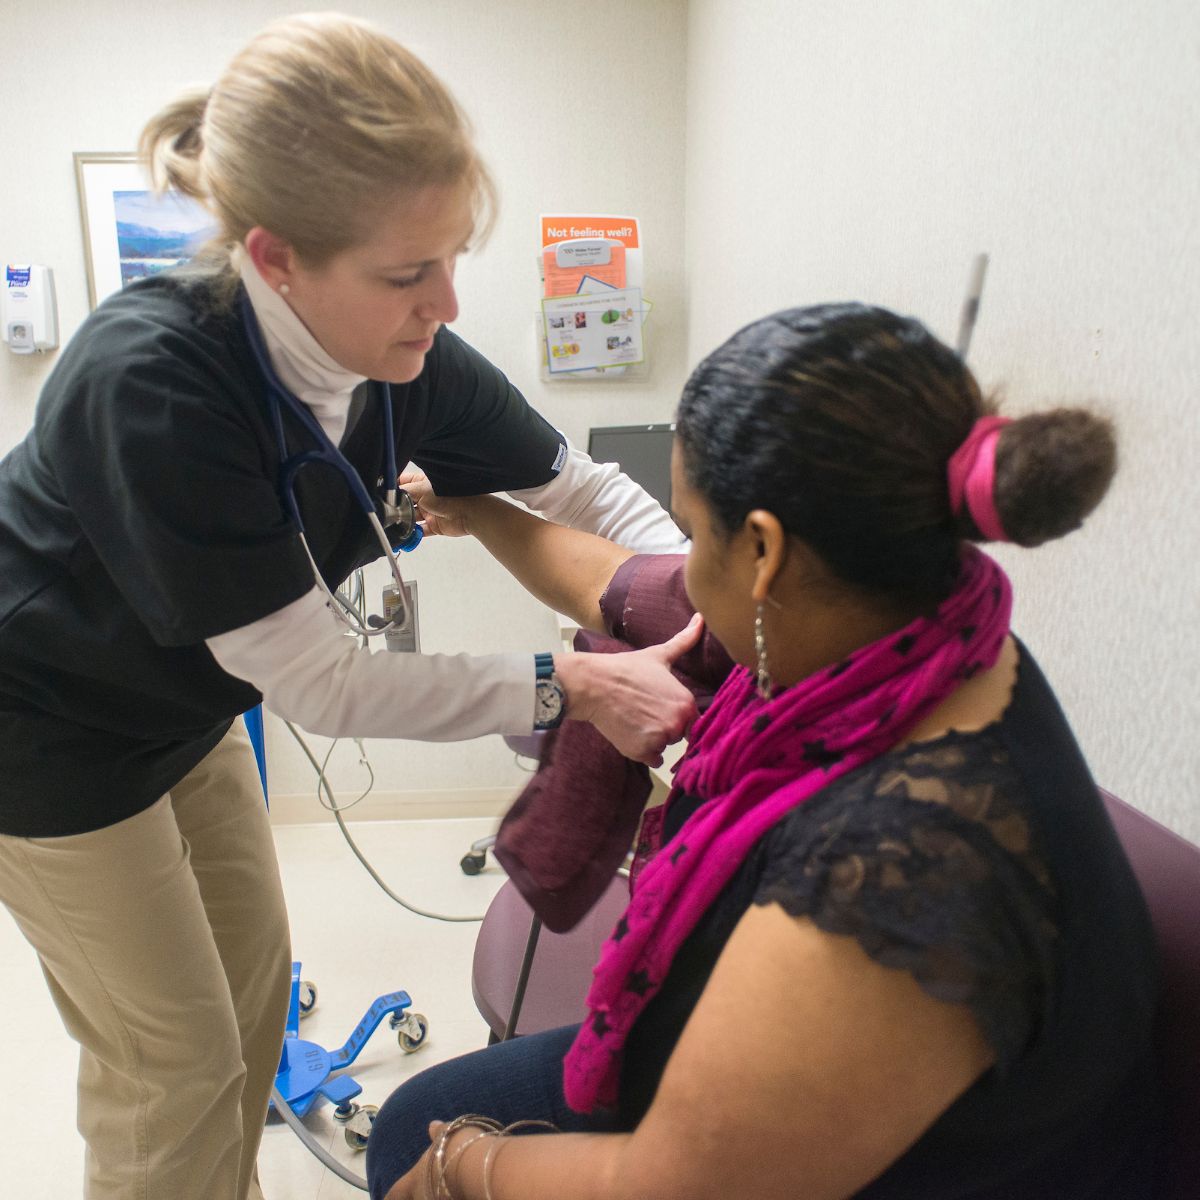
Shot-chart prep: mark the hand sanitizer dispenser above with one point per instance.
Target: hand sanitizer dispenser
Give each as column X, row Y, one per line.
column 28, row 317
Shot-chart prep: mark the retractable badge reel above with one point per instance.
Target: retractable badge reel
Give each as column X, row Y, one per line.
column 403, row 629
column 400, row 613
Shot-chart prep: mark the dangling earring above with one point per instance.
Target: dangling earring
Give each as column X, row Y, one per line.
column 763, row 677
column 284, row 289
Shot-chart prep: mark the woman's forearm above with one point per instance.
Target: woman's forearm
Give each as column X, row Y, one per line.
column 581, row 1166
column 566, row 569
column 547, row 1166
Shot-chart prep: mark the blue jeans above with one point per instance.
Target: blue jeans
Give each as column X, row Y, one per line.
column 511, row 1081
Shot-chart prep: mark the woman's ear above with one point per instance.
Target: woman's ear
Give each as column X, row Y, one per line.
column 273, row 258
column 770, row 542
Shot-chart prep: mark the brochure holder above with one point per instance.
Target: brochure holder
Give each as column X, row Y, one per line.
column 591, row 324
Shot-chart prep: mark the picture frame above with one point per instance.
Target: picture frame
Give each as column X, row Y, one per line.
column 128, row 231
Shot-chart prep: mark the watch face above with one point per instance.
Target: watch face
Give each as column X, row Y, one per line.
column 549, row 702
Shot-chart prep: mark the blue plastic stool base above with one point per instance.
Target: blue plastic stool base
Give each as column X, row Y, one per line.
column 305, row 1071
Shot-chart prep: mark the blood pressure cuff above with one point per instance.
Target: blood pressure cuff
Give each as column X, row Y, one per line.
column 573, row 824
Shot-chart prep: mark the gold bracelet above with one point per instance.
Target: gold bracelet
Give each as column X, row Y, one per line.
column 459, row 1151
column 528, row 1124
column 501, row 1137
column 436, row 1168
column 492, row 1151
column 437, row 1177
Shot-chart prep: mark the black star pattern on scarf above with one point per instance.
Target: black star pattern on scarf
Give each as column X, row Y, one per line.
column 967, row 632
column 762, row 722
column 819, row 756
column 621, row 930
column 887, row 715
column 639, row 982
column 600, row 1025
column 970, row 670
column 838, row 668
column 678, row 852
column 902, row 645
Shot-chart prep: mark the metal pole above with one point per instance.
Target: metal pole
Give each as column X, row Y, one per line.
column 535, row 929
column 970, row 308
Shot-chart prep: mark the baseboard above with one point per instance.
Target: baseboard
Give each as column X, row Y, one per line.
column 303, row 808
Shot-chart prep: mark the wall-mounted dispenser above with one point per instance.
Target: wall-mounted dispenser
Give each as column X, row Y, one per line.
column 28, row 315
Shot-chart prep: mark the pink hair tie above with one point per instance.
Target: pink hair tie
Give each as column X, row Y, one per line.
column 972, row 475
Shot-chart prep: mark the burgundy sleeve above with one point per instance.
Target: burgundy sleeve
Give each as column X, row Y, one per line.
column 646, row 602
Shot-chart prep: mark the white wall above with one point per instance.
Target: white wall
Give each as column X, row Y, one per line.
column 869, row 150
column 572, row 118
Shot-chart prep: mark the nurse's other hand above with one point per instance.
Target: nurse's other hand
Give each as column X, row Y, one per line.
column 437, row 515
column 633, row 699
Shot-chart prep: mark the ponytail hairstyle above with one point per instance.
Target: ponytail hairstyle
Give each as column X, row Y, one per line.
column 841, row 420
column 316, row 121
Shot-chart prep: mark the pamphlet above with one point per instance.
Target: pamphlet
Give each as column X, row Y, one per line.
column 584, row 332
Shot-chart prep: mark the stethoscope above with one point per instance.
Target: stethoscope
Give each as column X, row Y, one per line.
column 398, row 508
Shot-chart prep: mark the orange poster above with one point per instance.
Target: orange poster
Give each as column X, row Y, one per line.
column 613, row 229
column 587, row 254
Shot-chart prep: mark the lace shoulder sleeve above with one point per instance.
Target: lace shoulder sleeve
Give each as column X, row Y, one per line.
column 928, row 859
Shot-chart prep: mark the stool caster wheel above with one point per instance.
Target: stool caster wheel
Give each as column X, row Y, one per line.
column 359, row 1127
column 413, row 1030
column 473, row 862
column 307, row 998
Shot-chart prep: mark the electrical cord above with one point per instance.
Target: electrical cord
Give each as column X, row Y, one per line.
column 363, row 761
column 336, row 809
column 301, row 1131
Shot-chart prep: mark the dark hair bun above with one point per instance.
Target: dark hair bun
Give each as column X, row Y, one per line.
column 1052, row 469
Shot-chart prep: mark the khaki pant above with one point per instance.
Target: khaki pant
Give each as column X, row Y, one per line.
column 164, row 941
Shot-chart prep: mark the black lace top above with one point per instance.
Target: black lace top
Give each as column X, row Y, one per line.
column 985, row 865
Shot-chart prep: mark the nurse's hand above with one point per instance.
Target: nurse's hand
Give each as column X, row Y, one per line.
column 437, row 514
column 633, row 699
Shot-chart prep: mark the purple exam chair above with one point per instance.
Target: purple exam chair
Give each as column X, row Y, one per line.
column 526, row 979
column 1168, row 869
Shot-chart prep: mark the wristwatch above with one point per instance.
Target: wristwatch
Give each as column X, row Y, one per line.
column 550, row 705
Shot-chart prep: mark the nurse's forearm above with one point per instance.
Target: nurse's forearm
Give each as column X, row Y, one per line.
column 566, row 569
column 310, row 674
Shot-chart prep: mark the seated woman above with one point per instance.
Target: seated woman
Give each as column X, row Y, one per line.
column 889, row 945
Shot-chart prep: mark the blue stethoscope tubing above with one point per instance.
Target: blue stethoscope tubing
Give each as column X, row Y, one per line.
column 327, row 454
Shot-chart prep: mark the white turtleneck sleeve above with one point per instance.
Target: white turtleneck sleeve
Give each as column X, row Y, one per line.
column 311, row 674
column 599, row 498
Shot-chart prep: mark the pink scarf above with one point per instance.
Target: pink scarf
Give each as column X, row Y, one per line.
column 752, row 761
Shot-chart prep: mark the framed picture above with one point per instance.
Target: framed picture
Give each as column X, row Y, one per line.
column 128, row 231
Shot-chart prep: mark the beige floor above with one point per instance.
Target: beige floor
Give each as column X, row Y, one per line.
column 354, row 943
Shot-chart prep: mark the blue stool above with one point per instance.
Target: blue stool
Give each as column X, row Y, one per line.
column 306, row 1070
column 254, row 727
